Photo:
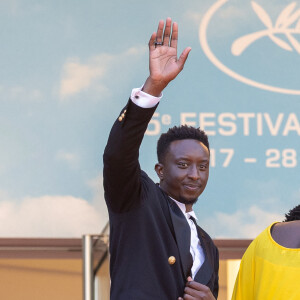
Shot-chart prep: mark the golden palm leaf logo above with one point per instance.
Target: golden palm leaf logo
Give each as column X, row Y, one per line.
column 282, row 32
column 283, row 26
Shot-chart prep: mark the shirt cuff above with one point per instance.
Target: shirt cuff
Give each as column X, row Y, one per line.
column 143, row 99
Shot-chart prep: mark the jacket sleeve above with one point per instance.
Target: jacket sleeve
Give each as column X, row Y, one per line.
column 121, row 172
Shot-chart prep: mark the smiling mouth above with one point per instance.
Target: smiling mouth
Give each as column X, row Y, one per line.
column 192, row 187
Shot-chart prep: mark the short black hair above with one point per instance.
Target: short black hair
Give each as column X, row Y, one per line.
column 293, row 214
column 176, row 133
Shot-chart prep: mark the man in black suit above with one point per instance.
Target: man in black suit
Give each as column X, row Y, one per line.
column 157, row 250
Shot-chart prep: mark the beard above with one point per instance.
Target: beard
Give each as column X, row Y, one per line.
column 186, row 201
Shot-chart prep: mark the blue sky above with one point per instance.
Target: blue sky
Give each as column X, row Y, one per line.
column 67, row 69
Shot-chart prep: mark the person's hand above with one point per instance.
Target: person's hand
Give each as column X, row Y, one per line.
column 195, row 290
column 163, row 63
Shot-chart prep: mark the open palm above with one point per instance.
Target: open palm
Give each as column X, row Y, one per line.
column 163, row 62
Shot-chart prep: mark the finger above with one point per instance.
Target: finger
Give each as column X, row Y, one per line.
column 189, row 297
column 174, row 38
column 193, row 293
column 196, row 286
column 183, row 57
column 160, row 30
column 167, row 32
column 151, row 43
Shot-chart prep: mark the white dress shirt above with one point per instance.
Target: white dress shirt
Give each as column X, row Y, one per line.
column 145, row 100
column 195, row 247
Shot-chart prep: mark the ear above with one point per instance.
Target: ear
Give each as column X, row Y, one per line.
column 159, row 169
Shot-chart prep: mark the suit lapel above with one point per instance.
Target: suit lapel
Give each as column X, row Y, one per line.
column 205, row 272
column 183, row 237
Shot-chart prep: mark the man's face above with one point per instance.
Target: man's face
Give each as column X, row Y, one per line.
column 184, row 172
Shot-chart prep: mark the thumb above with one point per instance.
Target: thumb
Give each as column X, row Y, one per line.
column 189, row 278
column 180, row 298
column 183, row 57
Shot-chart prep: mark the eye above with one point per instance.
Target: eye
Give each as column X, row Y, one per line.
column 182, row 164
column 203, row 167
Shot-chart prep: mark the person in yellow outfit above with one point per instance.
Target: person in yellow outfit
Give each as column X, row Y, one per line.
column 270, row 267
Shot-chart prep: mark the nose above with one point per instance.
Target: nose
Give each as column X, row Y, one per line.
column 194, row 172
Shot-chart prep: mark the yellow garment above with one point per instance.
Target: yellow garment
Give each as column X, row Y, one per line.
column 268, row 271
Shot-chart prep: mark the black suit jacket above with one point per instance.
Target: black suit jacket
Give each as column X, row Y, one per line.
column 146, row 226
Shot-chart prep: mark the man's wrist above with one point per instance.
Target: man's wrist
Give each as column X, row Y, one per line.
column 153, row 87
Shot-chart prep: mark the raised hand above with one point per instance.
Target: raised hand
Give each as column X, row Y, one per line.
column 163, row 62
